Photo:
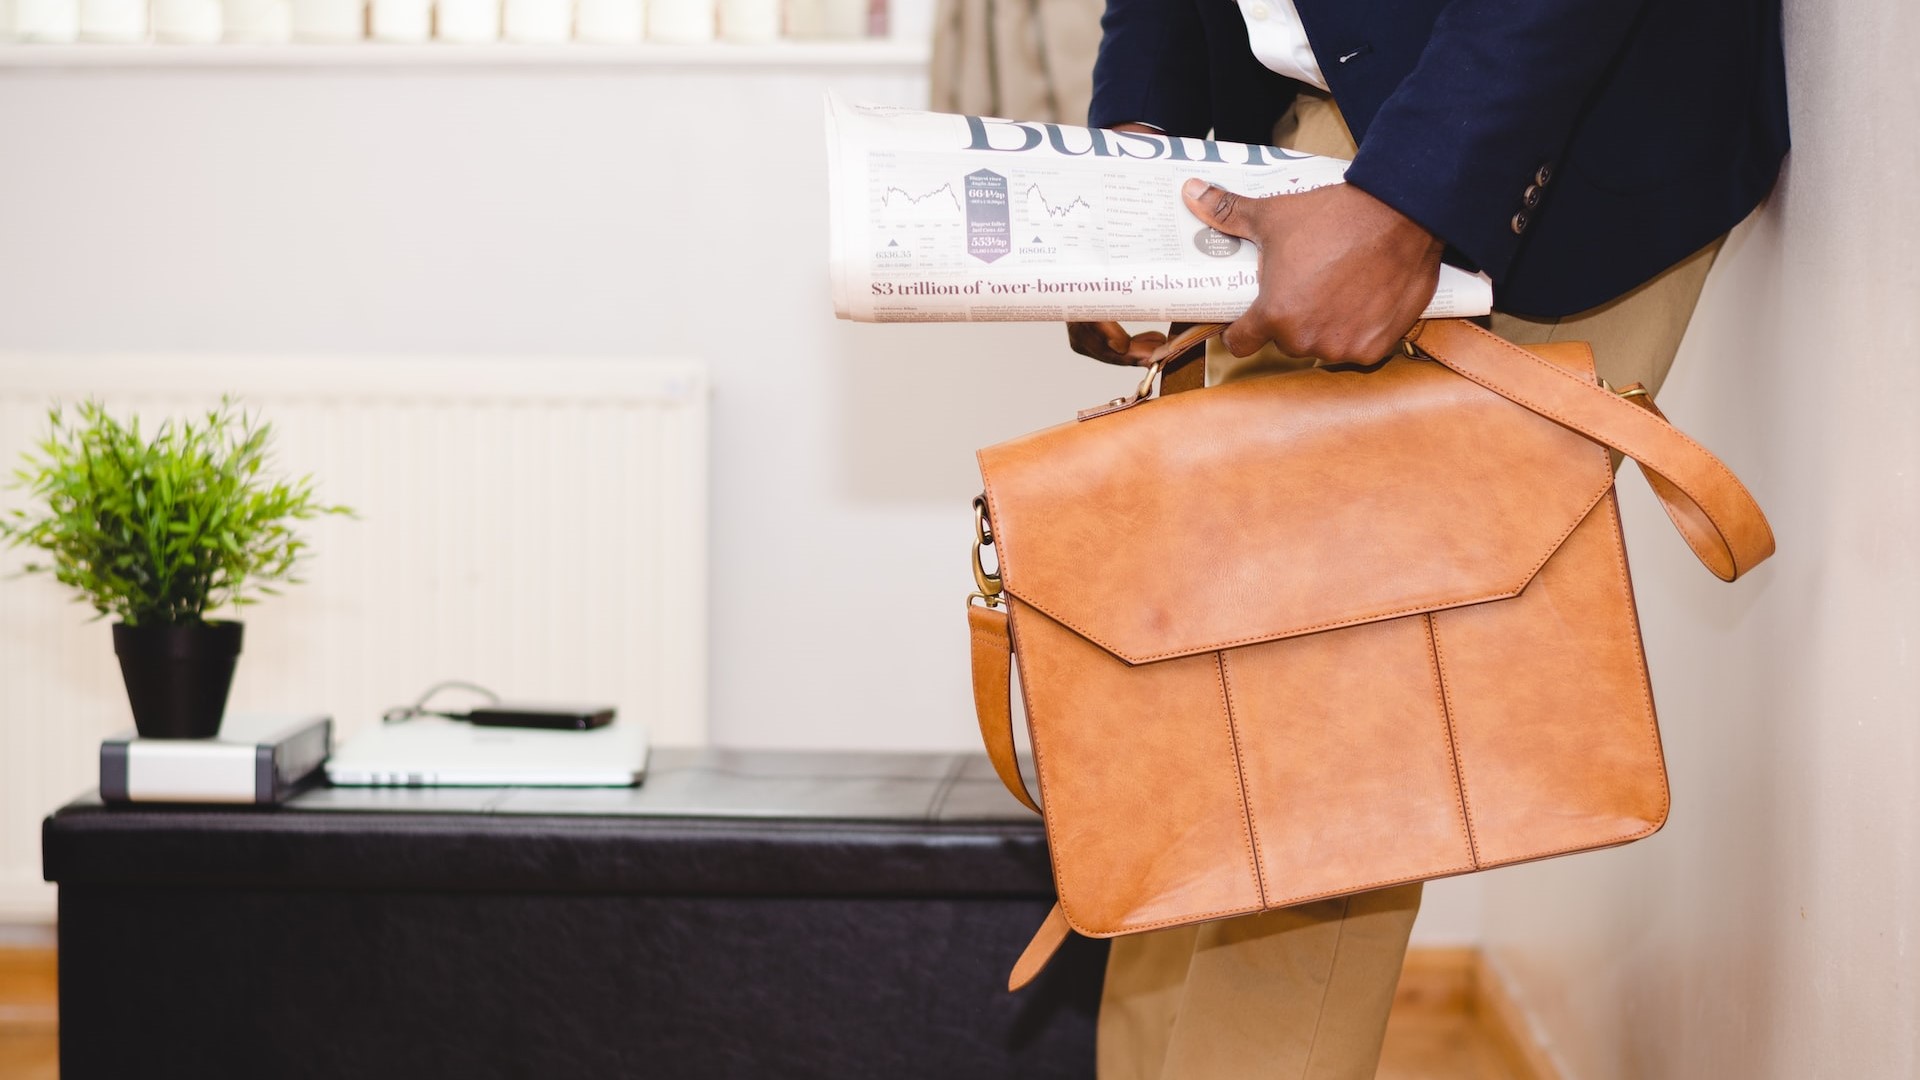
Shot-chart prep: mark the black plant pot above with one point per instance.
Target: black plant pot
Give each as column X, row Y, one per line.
column 178, row 676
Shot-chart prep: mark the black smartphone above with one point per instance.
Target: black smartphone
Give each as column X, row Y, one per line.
column 556, row 717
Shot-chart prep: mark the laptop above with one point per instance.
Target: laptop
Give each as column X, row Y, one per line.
column 432, row 752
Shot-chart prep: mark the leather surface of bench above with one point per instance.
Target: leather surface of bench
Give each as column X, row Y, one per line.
column 741, row 914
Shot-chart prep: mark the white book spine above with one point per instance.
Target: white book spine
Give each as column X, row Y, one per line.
column 191, row 771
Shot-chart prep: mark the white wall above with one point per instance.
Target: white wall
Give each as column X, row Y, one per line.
column 1773, row 929
column 533, row 209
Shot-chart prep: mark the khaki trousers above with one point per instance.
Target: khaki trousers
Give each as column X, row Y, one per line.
column 1304, row 992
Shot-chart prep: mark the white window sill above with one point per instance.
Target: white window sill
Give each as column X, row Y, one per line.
column 866, row 55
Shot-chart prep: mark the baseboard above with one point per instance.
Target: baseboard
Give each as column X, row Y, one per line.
column 1506, row 1022
column 1460, row 983
column 29, row 989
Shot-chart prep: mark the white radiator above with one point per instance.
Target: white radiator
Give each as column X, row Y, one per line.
column 538, row 526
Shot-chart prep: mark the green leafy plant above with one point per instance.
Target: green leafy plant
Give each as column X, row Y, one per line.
column 160, row 531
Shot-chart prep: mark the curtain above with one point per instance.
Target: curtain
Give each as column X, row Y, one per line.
column 1018, row 59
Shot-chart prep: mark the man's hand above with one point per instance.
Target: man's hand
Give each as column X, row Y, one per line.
column 1343, row 275
column 1109, row 342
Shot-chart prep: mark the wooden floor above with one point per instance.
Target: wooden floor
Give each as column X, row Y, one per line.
column 1445, row 1025
column 1451, row 1022
column 1456, row 1047
column 29, row 1055
column 29, row 1041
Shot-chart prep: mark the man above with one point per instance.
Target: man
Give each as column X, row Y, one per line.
column 1590, row 156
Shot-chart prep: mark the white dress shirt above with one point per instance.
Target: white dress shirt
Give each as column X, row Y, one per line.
column 1279, row 41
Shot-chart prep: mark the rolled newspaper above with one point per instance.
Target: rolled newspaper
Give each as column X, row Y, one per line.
column 941, row 218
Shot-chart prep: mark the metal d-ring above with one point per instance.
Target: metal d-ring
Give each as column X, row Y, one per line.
column 990, row 587
column 1145, row 389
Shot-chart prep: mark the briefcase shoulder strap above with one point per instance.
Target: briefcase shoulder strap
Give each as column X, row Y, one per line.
column 1710, row 507
column 993, row 705
column 992, row 695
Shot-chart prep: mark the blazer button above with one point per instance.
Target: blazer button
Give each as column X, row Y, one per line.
column 1543, row 176
column 1520, row 222
column 1531, row 199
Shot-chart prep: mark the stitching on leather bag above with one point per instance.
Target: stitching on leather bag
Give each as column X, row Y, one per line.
column 1053, row 838
column 1618, row 544
column 1453, row 739
column 1625, row 581
column 1298, row 631
column 1240, row 770
column 1574, row 849
column 1039, row 761
column 1007, row 562
column 1304, row 630
column 1700, row 548
column 1180, row 920
column 1053, row 841
column 1543, row 362
column 1683, row 436
column 1421, row 875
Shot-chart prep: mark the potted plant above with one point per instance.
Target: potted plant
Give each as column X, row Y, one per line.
column 158, row 533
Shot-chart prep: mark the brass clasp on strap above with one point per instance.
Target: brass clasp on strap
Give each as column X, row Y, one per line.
column 1140, row 393
column 1171, row 350
column 990, row 588
column 1632, row 390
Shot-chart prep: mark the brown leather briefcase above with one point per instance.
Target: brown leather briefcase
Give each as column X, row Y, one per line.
column 1329, row 631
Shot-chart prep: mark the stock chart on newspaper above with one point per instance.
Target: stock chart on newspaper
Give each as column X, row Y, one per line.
column 954, row 218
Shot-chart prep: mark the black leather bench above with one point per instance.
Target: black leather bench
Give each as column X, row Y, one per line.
column 742, row 914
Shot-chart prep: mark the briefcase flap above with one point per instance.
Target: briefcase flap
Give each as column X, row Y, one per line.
column 1286, row 505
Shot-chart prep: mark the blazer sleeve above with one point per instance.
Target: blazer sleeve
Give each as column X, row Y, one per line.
column 1152, row 67
column 1492, row 101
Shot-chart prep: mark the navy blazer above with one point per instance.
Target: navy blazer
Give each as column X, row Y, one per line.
column 1570, row 148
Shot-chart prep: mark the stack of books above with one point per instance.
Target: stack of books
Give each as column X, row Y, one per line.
column 256, row 759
